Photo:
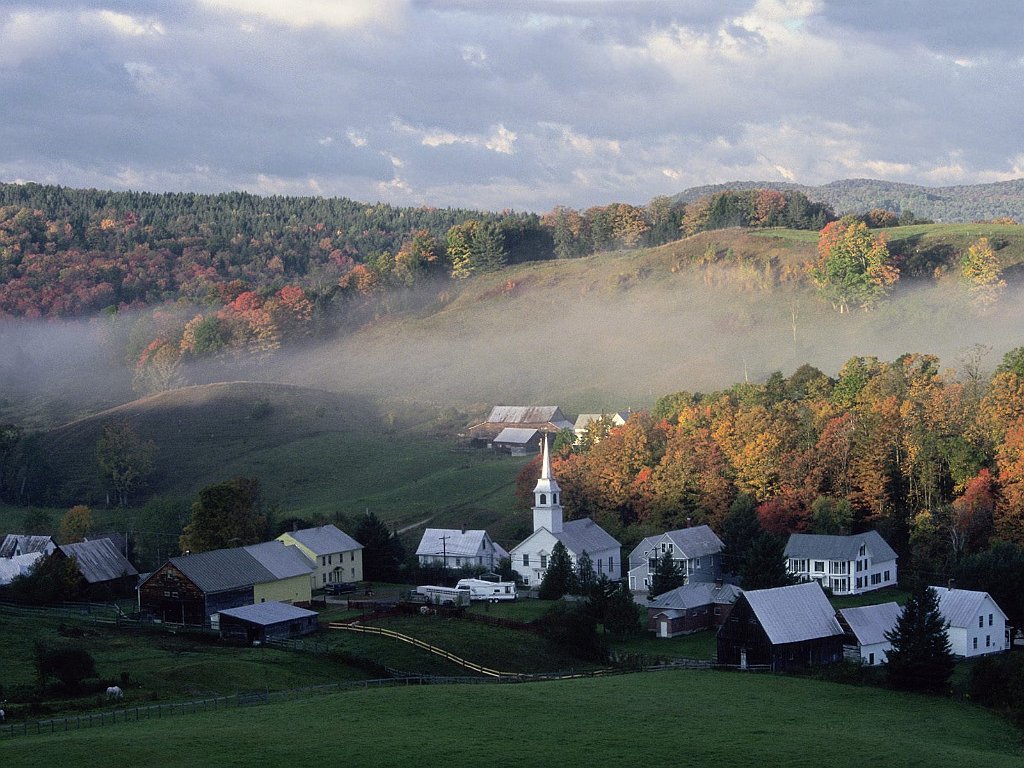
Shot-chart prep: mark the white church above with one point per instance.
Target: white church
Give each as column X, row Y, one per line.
column 530, row 558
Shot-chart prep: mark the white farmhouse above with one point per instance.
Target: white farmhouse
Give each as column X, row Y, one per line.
column 454, row 548
column 976, row 624
column 865, row 629
column 847, row 565
column 530, row 557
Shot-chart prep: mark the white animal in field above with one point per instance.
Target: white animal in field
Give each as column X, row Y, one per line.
column 115, row 692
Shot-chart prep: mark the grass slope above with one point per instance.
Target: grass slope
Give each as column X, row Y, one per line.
column 656, row 718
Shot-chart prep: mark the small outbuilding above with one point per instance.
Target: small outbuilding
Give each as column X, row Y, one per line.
column 517, row 441
column 106, row 571
column 865, row 629
column 266, row 621
column 781, row 628
column 691, row 608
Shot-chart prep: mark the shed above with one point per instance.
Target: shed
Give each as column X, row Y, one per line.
column 865, row 628
column 102, row 565
column 518, row 441
column 266, row 621
column 691, row 608
column 781, row 628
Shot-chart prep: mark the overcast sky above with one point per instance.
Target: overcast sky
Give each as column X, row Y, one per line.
column 519, row 104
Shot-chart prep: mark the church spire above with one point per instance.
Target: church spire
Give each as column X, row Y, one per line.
column 547, row 512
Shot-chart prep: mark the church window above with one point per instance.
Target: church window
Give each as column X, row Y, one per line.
column 554, row 498
column 543, row 499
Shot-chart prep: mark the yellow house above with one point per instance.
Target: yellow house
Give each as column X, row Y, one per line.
column 291, row 570
column 335, row 555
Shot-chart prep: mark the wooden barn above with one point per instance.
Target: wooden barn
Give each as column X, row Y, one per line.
column 781, row 628
column 192, row 589
column 543, row 418
column 261, row 622
column 106, row 571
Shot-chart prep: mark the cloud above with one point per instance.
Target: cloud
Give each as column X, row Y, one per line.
column 340, row 14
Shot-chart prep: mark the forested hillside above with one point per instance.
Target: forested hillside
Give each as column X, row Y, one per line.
column 975, row 202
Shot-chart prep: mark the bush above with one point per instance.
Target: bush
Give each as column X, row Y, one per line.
column 998, row 681
column 572, row 628
column 68, row 665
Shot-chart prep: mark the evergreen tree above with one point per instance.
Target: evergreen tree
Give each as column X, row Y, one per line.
column 622, row 615
column 383, row 553
column 585, row 575
column 666, row 577
column 559, row 578
column 766, row 564
column 920, row 658
column 739, row 530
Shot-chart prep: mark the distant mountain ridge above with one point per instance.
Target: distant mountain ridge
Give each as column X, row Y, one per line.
column 965, row 203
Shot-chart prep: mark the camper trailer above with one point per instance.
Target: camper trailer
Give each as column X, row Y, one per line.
column 479, row 589
column 443, row 595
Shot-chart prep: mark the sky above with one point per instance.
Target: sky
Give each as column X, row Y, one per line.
column 522, row 105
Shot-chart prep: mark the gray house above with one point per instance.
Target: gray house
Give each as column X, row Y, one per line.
column 696, row 551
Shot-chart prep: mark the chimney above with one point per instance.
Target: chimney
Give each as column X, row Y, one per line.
column 689, row 521
column 951, row 585
column 463, row 529
column 295, row 525
column 719, row 582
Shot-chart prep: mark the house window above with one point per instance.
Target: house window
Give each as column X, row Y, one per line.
column 886, row 576
column 871, row 658
column 988, row 641
column 859, row 580
column 981, row 621
column 323, row 578
column 863, row 550
column 458, row 561
column 611, row 565
column 330, row 559
column 975, row 643
column 718, row 610
column 353, row 572
column 664, row 547
column 696, row 561
column 543, row 561
column 990, row 619
column 819, row 566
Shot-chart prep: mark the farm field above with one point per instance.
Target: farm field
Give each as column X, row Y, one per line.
column 715, row 718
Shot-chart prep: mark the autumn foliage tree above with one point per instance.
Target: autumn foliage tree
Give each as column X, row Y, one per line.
column 227, row 514
column 982, row 274
column 125, row 460
column 854, row 267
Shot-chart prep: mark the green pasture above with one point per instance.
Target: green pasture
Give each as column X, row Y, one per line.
column 663, row 718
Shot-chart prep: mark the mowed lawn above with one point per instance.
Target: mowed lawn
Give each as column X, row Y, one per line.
column 664, row 718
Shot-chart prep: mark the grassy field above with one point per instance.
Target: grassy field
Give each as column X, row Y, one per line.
column 668, row 718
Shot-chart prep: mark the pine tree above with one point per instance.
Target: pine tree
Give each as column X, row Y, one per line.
column 559, row 578
column 920, row 658
column 766, row 564
column 622, row 615
column 666, row 577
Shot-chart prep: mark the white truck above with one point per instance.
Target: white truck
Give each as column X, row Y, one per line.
column 480, row 589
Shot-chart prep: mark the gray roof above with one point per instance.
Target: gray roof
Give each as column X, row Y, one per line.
column 585, row 535
column 19, row 565
column 16, row 543
column 584, row 419
column 816, row 546
column 516, row 435
column 960, row 607
column 869, row 623
column 528, row 414
column 455, row 543
column 266, row 614
column 796, row 613
column 326, row 540
column 222, row 569
column 696, row 595
column 99, row 560
column 280, row 559
column 692, row 542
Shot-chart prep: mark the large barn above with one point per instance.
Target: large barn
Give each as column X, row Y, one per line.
column 781, row 628
column 543, row 418
column 105, row 570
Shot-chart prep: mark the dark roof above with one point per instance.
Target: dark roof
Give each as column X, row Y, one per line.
column 222, row 569
column 266, row 614
column 816, row 546
column 516, row 435
column 325, row 540
column 585, row 535
column 99, row 560
column 796, row 613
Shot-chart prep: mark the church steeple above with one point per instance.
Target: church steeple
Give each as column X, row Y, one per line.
column 547, row 512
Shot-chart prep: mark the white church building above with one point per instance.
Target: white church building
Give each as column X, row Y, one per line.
column 530, row 557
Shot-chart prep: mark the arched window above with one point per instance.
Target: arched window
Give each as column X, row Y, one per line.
column 554, row 498
column 543, row 499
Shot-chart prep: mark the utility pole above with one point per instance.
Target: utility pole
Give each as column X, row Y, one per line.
column 444, row 551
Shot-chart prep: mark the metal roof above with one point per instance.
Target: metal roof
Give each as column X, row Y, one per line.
column 816, row 546
column 453, row 542
column 695, row 595
column 585, row 535
column 99, row 560
column 516, row 435
column 638, row 556
column 266, row 614
column 280, row 559
column 222, row 569
column 526, row 414
column 19, row 544
column 869, row 623
column 796, row 613
column 19, row 565
column 686, row 542
column 325, row 540
column 960, row 607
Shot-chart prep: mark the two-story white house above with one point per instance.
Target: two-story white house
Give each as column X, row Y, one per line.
column 337, row 557
column 696, row 551
column 530, row 557
column 977, row 625
column 455, row 548
column 847, row 565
